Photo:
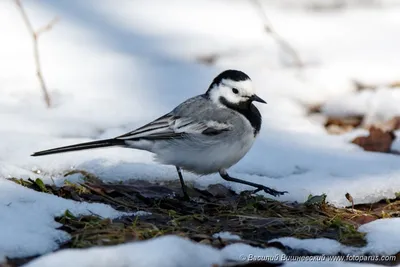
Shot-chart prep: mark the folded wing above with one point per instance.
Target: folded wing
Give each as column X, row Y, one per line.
column 171, row 126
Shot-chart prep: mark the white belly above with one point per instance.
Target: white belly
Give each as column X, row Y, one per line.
column 206, row 159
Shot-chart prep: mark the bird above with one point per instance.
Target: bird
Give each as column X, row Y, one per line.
column 205, row 134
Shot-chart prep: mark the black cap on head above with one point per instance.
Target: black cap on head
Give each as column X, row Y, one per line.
column 234, row 75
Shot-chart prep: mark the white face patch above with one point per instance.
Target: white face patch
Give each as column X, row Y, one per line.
column 245, row 87
column 225, row 89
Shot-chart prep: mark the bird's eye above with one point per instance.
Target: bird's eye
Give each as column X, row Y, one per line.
column 235, row 91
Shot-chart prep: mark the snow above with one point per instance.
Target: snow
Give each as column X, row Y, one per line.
column 111, row 68
column 377, row 106
column 382, row 237
column 181, row 252
column 136, row 57
column 141, row 213
column 242, row 252
column 316, row 245
column 226, row 235
column 27, row 219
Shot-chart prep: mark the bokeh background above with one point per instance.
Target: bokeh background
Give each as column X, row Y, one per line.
column 328, row 69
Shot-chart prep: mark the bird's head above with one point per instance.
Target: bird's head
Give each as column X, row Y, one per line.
column 233, row 88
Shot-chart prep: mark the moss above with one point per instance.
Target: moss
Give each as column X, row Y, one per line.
column 255, row 218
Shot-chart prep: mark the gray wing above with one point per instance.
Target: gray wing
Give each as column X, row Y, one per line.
column 196, row 116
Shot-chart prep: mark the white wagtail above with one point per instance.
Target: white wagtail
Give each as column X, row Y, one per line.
column 205, row 134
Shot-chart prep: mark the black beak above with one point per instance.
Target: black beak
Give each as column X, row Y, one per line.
column 257, row 99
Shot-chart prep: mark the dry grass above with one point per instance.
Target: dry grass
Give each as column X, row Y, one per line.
column 255, row 218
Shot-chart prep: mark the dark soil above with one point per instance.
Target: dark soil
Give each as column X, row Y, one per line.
column 256, row 219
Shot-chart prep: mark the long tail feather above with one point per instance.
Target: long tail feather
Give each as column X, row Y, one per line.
column 82, row 146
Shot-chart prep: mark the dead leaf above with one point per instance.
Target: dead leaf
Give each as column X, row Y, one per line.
column 335, row 129
column 394, row 84
column 340, row 125
column 394, row 123
column 390, row 125
column 354, row 121
column 316, row 108
column 365, row 218
column 377, row 140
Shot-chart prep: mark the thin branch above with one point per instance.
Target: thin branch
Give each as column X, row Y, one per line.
column 47, row 27
column 278, row 38
column 35, row 36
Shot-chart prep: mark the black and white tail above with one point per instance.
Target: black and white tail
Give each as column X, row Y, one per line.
column 82, row 146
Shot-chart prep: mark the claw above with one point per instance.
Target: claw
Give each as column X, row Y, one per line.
column 270, row 191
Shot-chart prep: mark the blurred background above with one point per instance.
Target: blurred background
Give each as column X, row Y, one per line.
column 328, row 70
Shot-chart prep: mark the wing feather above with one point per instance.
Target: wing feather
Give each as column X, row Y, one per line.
column 170, row 126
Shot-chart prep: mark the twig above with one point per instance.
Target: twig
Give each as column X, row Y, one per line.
column 281, row 42
column 105, row 196
column 350, row 199
column 35, row 36
column 47, row 27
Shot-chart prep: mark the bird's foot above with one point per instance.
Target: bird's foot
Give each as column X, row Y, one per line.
column 270, row 191
column 186, row 197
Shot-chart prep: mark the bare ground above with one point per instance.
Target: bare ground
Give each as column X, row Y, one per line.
column 254, row 218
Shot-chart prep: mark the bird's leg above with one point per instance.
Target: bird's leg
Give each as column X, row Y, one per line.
column 185, row 194
column 224, row 174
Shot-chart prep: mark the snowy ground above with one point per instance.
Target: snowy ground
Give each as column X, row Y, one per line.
column 181, row 253
column 111, row 68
